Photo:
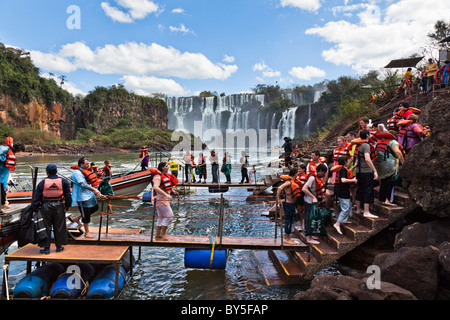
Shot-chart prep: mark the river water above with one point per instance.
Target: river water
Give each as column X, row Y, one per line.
column 160, row 273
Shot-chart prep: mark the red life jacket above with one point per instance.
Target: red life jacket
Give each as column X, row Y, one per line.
column 384, row 139
column 321, row 187
column 337, row 169
column 313, row 165
column 359, row 142
column 168, row 180
column 53, row 189
column 339, row 152
column 91, row 177
column 10, row 160
column 391, row 124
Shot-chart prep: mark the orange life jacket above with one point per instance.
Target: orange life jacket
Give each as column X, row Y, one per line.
column 337, row 169
column 91, row 177
column 313, row 165
column 321, row 187
column 296, row 189
column 53, row 189
column 341, row 152
column 10, row 160
column 143, row 153
column 391, row 124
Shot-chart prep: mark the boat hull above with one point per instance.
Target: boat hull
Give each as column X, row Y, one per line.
column 127, row 185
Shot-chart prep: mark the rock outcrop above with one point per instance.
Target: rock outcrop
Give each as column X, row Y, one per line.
column 426, row 171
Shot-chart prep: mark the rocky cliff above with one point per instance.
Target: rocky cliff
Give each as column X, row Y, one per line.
column 426, row 171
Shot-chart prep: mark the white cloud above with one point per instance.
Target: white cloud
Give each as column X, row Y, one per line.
column 307, row 73
column 134, row 10
column 147, row 85
column 178, row 10
column 259, row 66
column 381, row 34
column 309, row 5
column 133, row 58
column 181, row 29
column 267, row 72
column 67, row 85
column 228, row 59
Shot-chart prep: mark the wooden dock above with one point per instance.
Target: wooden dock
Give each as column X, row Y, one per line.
column 135, row 237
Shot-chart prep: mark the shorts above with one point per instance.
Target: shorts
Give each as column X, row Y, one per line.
column 300, row 201
column 87, row 212
column 364, row 192
column 165, row 215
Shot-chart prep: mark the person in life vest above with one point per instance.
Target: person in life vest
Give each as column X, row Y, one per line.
column 344, row 178
column 91, row 175
column 351, row 161
column 173, row 165
column 431, row 70
column 162, row 188
column 301, row 179
column 202, row 165
column 314, row 189
column 7, row 164
column 143, row 155
column 392, row 122
column 244, row 167
column 340, row 151
column 316, row 160
column 366, row 174
column 387, row 163
column 107, row 169
column 291, row 190
column 84, row 195
column 410, row 133
column 53, row 197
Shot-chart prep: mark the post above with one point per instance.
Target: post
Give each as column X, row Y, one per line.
column 153, row 218
column 220, row 231
column 101, row 219
column 276, row 215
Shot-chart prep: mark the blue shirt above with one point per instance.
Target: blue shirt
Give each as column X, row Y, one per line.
column 81, row 195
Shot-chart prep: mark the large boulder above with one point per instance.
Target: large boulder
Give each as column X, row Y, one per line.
column 423, row 234
column 412, row 268
column 426, row 170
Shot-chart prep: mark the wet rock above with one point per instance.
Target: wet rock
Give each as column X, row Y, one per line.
column 414, row 269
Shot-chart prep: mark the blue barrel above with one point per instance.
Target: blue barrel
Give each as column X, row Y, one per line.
column 103, row 286
column 38, row 283
column 201, row 259
column 147, row 197
column 68, row 287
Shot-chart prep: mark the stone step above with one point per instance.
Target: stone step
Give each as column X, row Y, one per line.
column 401, row 198
column 287, row 266
column 267, row 268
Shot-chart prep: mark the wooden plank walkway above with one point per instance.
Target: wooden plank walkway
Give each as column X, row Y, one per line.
column 223, row 184
column 135, row 237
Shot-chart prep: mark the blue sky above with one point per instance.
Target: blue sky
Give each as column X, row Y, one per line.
column 182, row 47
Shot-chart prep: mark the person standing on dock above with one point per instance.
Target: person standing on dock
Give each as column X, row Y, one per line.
column 244, row 167
column 53, row 198
column 187, row 166
column 226, row 166
column 162, row 188
column 202, row 166
column 7, row 164
column 84, row 196
column 288, row 148
column 173, row 164
column 214, row 159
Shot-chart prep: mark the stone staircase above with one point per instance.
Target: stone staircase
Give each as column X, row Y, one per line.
column 268, row 180
column 299, row 267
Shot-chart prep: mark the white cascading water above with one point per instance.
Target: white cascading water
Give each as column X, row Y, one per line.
column 286, row 125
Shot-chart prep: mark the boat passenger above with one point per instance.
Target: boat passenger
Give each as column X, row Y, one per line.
column 291, row 190
column 143, row 155
column 107, row 169
column 7, row 164
column 52, row 196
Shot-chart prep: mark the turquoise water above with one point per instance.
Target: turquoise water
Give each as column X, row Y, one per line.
column 160, row 273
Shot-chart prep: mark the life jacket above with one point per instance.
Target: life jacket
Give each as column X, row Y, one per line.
column 143, row 152
column 53, row 189
column 144, row 155
column 173, row 164
column 400, row 115
column 391, row 124
column 358, row 142
column 321, row 187
column 296, row 189
column 10, row 160
column 91, row 177
column 406, row 135
column 384, row 138
column 168, row 180
column 313, row 165
column 341, row 152
column 337, row 169
column 105, row 169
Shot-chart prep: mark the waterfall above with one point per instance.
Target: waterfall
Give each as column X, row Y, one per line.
column 307, row 126
column 286, row 125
